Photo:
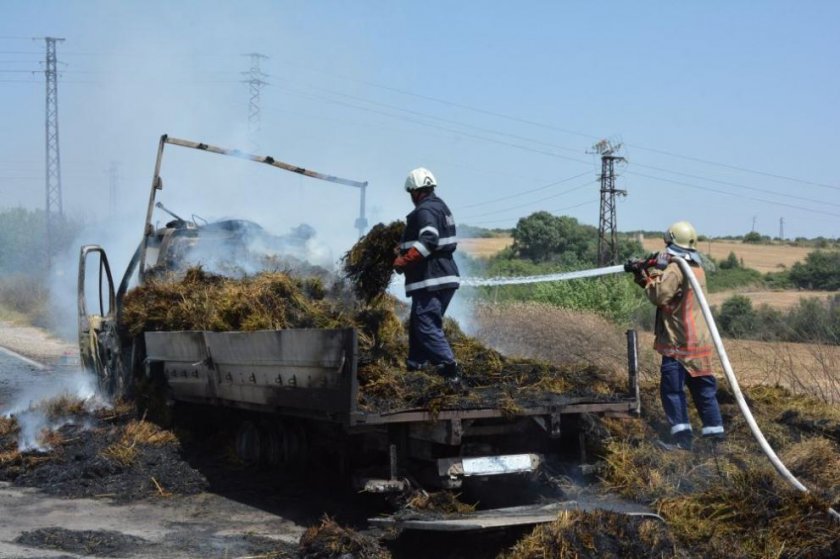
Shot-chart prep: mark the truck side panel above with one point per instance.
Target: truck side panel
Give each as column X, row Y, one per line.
column 301, row 369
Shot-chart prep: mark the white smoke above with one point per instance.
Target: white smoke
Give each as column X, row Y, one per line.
column 30, row 407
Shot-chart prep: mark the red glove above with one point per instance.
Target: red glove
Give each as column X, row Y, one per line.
column 641, row 277
column 411, row 256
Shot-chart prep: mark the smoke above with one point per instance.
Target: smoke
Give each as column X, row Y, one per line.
column 45, row 404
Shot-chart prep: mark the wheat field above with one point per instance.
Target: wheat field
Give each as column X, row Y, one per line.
column 560, row 335
column 764, row 258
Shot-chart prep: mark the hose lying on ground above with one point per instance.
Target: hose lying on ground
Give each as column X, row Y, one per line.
column 736, row 389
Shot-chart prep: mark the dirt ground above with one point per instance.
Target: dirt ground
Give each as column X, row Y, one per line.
column 203, row 525
column 36, row 343
column 79, row 515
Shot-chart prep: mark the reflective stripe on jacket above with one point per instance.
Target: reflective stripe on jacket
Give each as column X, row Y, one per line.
column 430, row 229
column 681, row 332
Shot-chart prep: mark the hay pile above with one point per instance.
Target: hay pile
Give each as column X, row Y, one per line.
column 726, row 500
column 436, row 502
column 369, row 264
column 276, row 300
column 205, row 301
column 603, row 534
column 329, row 540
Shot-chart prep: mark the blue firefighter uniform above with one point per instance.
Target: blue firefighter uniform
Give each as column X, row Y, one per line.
column 431, row 278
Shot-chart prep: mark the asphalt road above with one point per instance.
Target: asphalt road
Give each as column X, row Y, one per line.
column 18, row 377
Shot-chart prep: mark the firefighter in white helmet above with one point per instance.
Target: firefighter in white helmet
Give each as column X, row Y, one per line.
column 682, row 336
column 425, row 256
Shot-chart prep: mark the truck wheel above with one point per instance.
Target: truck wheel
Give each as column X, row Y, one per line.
column 273, row 453
column 248, row 443
column 299, row 452
column 283, row 444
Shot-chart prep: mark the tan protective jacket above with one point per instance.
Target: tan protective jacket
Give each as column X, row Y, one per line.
column 680, row 330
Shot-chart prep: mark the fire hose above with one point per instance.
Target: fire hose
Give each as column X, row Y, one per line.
column 710, row 322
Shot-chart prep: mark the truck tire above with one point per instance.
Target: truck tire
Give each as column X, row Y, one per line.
column 249, row 446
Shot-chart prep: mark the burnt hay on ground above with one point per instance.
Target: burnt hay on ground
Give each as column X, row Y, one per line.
column 329, row 540
column 108, row 455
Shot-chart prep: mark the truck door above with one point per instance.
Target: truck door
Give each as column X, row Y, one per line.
column 99, row 343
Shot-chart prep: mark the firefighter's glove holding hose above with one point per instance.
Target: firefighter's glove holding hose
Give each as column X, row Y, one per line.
column 403, row 261
column 638, row 267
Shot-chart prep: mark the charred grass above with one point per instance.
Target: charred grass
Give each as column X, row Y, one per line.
column 720, row 500
column 603, row 534
column 104, row 453
column 725, row 500
column 329, row 540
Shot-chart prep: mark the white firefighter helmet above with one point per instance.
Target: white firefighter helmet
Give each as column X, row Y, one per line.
column 681, row 234
column 420, row 178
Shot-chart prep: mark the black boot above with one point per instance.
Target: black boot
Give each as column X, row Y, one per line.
column 679, row 441
column 451, row 372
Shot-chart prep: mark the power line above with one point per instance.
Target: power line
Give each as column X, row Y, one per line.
column 552, row 154
column 554, row 211
column 551, row 144
column 707, row 189
column 524, row 192
column 737, row 185
column 556, row 128
column 569, row 191
column 438, row 127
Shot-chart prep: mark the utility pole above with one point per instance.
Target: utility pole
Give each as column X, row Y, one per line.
column 781, row 228
column 608, row 240
column 113, row 187
column 753, row 225
column 255, row 84
column 54, row 210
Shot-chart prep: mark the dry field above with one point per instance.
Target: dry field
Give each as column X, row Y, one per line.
column 555, row 334
column 484, row 248
column 781, row 300
column 764, row 258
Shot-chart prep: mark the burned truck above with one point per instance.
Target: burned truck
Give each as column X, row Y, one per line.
column 295, row 392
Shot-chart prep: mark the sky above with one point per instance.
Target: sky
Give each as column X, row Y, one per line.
column 726, row 112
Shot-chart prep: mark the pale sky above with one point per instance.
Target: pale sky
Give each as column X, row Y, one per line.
column 727, row 110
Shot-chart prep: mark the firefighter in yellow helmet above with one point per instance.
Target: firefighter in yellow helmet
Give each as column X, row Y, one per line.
column 681, row 336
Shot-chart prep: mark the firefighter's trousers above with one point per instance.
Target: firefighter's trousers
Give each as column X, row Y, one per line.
column 426, row 341
column 703, row 391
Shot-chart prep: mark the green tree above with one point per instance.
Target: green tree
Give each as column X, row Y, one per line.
column 730, row 263
column 821, row 270
column 542, row 237
column 737, row 318
column 753, row 237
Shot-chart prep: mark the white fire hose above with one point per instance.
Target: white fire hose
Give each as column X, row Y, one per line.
column 736, row 389
column 707, row 315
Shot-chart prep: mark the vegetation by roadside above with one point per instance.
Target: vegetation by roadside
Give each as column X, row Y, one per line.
column 24, row 296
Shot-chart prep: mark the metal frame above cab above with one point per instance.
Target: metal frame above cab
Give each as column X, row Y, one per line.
column 157, row 183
